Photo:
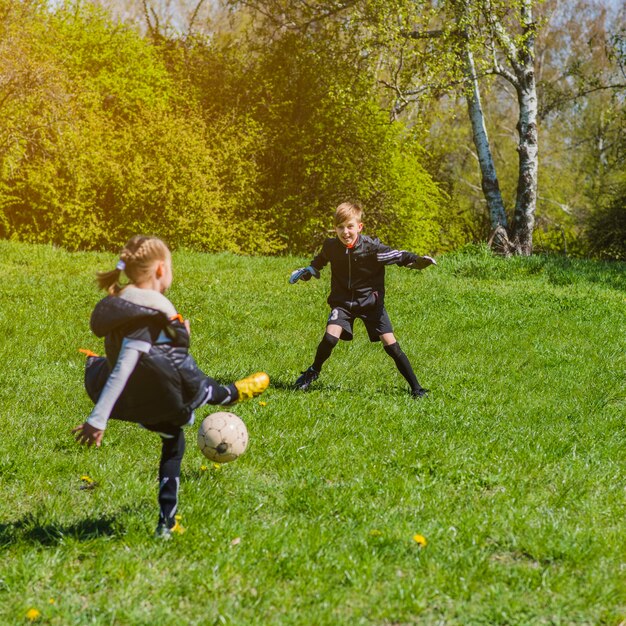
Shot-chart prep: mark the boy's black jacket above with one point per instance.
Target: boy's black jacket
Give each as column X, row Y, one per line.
column 358, row 274
column 166, row 384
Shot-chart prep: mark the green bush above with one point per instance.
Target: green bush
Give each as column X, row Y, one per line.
column 606, row 232
column 221, row 145
column 323, row 139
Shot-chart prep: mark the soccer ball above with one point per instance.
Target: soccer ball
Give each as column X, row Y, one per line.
column 222, row 437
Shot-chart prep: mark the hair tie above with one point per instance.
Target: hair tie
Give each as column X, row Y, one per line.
column 121, row 266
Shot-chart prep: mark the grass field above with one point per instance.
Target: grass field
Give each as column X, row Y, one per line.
column 513, row 470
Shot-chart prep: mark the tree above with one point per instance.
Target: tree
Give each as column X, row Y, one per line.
column 428, row 48
column 97, row 142
column 466, row 42
column 582, row 112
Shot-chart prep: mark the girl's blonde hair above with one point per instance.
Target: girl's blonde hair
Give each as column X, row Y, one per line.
column 136, row 260
column 346, row 211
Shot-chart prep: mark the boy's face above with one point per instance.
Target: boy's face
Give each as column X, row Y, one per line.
column 348, row 231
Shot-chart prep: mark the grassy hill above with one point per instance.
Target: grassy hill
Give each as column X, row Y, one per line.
column 513, row 470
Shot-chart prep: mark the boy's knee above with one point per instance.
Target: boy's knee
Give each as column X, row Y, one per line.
column 330, row 339
column 334, row 330
column 393, row 350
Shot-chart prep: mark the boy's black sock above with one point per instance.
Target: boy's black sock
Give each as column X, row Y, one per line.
column 169, row 476
column 402, row 363
column 323, row 351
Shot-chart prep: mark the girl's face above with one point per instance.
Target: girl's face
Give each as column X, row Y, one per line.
column 348, row 232
column 163, row 273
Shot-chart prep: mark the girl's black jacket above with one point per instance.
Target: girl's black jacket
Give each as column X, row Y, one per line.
column 167, row 384
column 358, row 274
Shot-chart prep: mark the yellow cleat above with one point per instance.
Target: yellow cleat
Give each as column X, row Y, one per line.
column 252, row 385
column 177, row 528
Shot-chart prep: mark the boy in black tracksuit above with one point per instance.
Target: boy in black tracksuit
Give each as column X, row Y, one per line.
column 358, row 291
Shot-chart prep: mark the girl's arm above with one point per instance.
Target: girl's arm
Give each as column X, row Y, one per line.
column 92, row 430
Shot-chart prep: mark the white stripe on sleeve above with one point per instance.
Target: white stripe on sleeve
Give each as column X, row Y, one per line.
column 389, row 255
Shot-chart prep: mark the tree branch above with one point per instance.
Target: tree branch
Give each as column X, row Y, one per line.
column 194, row 16
column 499, row 70
column 564, row 207
column 502, row 37
column 543, row 113
column 423, row 34
column 291, row 21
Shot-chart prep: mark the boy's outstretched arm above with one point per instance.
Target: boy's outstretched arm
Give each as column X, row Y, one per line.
column 389, row 256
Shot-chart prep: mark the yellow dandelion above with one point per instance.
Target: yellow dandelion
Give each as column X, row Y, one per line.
column 217, row 466
column 420, row 540
column 261, row 403
column 52, row 601
column 375, row 533
column 177, row 528
column 33, row 614
column 203, row 468
column 88, row 483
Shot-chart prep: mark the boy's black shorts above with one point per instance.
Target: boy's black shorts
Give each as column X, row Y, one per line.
column 376, row 322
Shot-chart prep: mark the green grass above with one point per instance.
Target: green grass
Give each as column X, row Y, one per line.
column 513, row 469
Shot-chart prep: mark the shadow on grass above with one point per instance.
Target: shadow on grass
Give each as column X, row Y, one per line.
column 394, row 391
column 29, row 529
column 288, row 385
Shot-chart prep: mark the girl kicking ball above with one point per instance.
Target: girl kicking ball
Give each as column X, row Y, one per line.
column 148, row 376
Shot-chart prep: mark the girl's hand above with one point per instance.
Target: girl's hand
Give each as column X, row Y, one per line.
column 87, row 434
column 187, row 326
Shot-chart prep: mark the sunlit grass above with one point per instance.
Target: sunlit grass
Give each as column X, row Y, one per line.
column 498, row 500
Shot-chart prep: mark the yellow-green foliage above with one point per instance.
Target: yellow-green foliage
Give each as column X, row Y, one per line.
column 325, row 139
column 213, row 146
column 103, row 149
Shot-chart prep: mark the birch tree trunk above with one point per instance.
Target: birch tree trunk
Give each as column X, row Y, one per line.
column 526, row 201
column 489, row 177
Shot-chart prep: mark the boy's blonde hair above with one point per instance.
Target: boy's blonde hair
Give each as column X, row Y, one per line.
column 346, row 211
column 136, row 260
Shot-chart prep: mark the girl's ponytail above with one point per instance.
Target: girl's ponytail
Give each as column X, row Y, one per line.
column 110, row 281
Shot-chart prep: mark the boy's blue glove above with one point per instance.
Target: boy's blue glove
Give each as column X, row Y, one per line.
column 304, row 273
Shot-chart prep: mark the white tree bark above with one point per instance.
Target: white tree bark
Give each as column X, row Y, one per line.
column 526, row 202
column 489, row 178
column 521, row 58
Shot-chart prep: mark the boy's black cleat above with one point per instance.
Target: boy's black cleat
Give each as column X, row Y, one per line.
column 308, row 377
column 419, row 393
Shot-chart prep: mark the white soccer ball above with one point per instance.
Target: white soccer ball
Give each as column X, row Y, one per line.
column 222, row 437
